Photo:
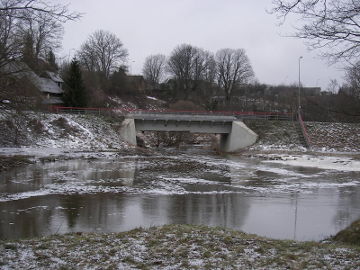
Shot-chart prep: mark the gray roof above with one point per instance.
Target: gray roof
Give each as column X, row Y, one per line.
column 54, row 76
column 46, row 85
column 19, row 70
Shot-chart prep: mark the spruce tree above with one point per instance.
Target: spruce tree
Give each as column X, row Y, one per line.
column 75, row 93
column 51, row 59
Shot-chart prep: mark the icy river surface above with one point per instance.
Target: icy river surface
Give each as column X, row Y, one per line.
column 298, row 197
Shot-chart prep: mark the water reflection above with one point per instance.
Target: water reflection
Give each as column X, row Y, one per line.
column 129, row 192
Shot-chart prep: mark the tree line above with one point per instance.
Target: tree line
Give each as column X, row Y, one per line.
column 193, row 68
column 31, row 31
column 186, row 72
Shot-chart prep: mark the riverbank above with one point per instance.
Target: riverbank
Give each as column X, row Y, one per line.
column 99, row 133
column 174, row 247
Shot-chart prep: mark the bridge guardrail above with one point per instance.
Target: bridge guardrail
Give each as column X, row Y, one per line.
column 125, row 112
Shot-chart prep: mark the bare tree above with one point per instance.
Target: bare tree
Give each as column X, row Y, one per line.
column 102, row 52
column 333, row 86
column 233, row 68
column 20, row 9
column 39, row 36
column 332, row 25
column 353, row 79
column 154, row 69
column 189, row 66
column 9, row 46
column 15, row 13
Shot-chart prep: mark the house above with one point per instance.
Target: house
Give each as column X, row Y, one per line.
column 49, row 83
column 311, row 91
column 51, row 90
column 284, row 90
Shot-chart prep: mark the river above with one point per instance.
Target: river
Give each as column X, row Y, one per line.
column 118, row 192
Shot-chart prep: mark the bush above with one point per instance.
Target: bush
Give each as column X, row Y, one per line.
column 350, row 235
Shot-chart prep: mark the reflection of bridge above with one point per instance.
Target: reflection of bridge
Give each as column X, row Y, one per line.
column 234, row 133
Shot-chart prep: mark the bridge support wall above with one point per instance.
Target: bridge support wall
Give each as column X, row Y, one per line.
column 128, row 131
column 239, row 137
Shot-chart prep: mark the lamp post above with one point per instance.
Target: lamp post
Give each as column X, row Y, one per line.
column 299, row 104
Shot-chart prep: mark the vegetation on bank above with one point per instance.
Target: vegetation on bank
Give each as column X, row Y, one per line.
column 175, row 247
column 8, row 162
column 350, row 235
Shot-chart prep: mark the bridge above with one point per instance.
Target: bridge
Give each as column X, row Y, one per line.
column 235, row 135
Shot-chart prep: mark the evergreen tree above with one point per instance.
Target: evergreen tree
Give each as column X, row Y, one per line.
column 75, row 94
column 51, row 59
column 28, row 54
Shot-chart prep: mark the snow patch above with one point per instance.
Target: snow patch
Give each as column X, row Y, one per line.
column 324, row 162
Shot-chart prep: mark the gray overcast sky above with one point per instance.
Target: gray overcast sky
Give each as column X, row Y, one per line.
column 158, row 26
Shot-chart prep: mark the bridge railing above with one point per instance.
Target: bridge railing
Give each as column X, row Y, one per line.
column 125, row 112
column 237, row 114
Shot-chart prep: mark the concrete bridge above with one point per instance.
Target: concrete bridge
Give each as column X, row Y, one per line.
column 234, row 133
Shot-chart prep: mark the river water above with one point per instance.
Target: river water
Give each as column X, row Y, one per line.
column 119, row 192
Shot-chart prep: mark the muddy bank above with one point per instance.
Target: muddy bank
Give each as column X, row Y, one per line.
column 174, row 247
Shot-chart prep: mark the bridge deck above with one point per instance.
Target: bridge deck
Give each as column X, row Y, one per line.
column 181, row 117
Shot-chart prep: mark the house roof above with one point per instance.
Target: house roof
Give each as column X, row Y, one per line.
column 19, row 70
column 46, row 85
column 54, row 76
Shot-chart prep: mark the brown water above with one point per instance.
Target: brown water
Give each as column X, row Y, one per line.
column 120, row 193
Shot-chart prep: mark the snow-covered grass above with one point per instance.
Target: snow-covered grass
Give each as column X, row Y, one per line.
column 174, row 247
column 64, row 131
column 334, row 137
column 324, row 136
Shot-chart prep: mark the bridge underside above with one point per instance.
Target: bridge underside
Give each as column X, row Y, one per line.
column 235, row 135
column 181, row 125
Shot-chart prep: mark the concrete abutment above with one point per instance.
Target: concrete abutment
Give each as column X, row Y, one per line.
column 240, row 137
column 128, row 131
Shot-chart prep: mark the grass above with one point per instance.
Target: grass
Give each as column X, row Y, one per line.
column 175, row 247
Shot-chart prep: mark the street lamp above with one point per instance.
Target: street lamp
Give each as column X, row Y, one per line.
column 299, row 104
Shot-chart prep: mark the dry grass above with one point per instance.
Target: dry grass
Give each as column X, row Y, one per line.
column 174, row 247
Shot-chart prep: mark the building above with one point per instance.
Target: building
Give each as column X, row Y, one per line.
column 49, row 83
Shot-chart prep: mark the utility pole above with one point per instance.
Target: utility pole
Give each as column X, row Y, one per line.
column 299, row 103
